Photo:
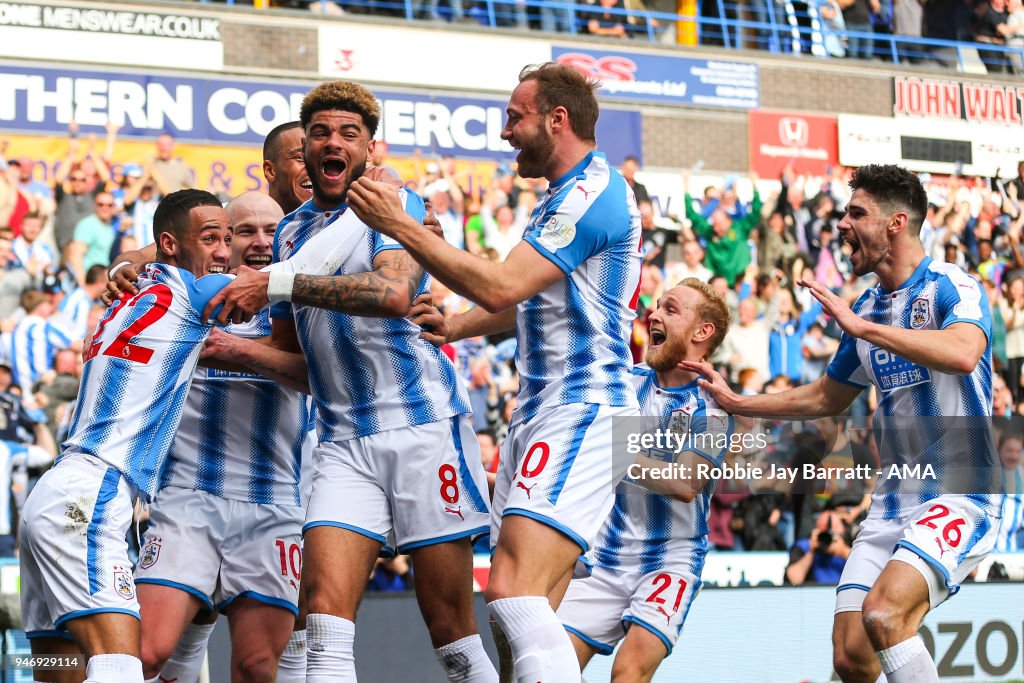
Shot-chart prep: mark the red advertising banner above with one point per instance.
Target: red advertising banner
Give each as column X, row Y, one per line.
column 944, row 99
column 777, row 139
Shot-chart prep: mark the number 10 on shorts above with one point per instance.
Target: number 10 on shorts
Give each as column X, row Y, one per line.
column 291, row 558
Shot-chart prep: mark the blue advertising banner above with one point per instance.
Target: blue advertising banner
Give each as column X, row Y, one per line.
column 667, row 80
column 233, row 112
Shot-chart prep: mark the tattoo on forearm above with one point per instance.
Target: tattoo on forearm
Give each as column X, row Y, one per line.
column 380, row 292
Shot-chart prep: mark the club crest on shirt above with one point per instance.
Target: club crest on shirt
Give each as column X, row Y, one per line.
column 679, row 421
column 920, row 313
column 150, row 554
column 123, row 583
column 556, row 234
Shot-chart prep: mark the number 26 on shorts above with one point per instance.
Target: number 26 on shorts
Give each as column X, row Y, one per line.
column 951, row 533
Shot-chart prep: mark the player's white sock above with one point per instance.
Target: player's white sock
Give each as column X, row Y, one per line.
column 541, row 649
column 291, row 668
column 113, row 669
column 187, row 659
column 329, row 649
column 465, row 661
column 908, row 662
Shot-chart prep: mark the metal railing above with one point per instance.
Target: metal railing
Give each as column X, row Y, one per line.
column 778, row 28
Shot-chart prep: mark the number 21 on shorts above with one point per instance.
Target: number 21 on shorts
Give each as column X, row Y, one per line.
column 661, row 596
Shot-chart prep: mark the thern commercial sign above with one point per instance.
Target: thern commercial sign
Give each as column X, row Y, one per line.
column 665, row 79
column 367, row 54
column 944, row 99
column 934, row 145
column 243, row 111
column 777, row 139
column 109, row 35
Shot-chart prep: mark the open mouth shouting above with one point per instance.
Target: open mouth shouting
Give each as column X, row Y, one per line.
column 657, row 337
column 257, row 261
column 217, row 268
column 333, row 169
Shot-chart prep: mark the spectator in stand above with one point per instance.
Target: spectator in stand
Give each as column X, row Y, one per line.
column 857, row 17
column 75, row 200
column 1011, row 453
column 25, row 442
column 817, row 350
column 503, row 229
column 93, row 239
column 488, row 449
column 76, row 307
column 392, row 574
column 778, row 242
column 1018, row 183
column 31, row 253
column 483, row 391
column 35, row 340
column 989, row 28
column 746, row 343
column 823, row 214
column 170, row 173
column 141, row 198
column 833, row 265
column 14, row 281
column 821, row 557
column 14, row 202
column 446, row 200
column 692, row 264
column 833, row 27
column 607, row 18
column 654, row 238
column 40, row 193
column 1013, row 32
column 785, row 342
column 727, row 251
column 630, row 165
column 908, row 20
column 1011, row 308
column 59, row 387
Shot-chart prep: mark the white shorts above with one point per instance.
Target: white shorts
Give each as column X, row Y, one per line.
column 944, row 539
column 407, row 487
column 600, row 608
column 74, row 556
column 219, row 550
column 558, row 469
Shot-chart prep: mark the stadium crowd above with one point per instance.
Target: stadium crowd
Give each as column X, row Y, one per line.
column 58, row 238
column 853, row 29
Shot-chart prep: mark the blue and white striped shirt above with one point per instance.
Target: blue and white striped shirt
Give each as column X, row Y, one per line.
column 241, row 434
column 137, row 374
column 1013, row 511
column 915, row 421
column 367, row 375
column 647, row 532
column 573, row 337
column 33, row 344
column 74, row 310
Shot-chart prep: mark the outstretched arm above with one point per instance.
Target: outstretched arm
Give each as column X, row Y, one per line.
column 820, row 398
column 956, row 349
column 385, row 292
column 475, row 322
column 494, row 286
